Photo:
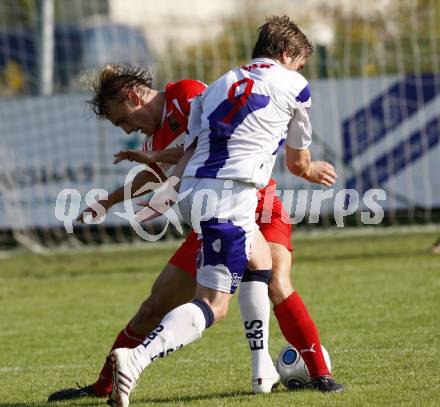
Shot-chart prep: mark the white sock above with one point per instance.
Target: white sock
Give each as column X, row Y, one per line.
column 179, row 327
column 255, row 311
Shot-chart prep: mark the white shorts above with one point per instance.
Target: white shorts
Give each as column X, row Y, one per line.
column 222, row 213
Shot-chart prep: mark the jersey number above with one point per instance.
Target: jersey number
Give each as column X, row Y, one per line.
column 240, row 100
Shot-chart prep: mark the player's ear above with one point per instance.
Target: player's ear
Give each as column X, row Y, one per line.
column 285, row 58
column 133, row 98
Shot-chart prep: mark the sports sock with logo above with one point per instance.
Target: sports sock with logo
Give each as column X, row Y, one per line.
column 125, row 339
column 300, row 331
column 255, row 312
column 178, row 328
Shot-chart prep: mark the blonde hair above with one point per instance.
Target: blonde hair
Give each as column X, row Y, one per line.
column 110, row 84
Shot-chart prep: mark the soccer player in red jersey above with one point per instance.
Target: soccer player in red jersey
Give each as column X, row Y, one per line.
column 123, row 95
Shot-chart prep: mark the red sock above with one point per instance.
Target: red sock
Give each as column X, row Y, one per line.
column 300, row 331
column 126, row 339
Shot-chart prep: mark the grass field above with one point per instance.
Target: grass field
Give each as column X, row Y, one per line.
column 375, row 299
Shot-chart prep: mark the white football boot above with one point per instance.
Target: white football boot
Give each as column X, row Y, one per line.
column 124, row 377
column 266, row 384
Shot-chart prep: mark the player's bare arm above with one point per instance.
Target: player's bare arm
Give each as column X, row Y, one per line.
column 169, row 155
column 117, row 196
column 300, row 163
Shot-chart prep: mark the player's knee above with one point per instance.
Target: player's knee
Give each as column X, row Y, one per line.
column 259, row 262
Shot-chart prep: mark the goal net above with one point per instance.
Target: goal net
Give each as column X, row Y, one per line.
column 375, row 83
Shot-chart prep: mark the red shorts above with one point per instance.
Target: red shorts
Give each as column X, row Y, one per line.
column 272, row 223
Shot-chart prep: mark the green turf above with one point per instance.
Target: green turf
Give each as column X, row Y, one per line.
column 375, row 299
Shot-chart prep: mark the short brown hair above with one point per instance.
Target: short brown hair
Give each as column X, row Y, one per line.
column 112, row 81
column 280, row 34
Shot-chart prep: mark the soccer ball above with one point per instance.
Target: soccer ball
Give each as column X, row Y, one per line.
column 293, row 370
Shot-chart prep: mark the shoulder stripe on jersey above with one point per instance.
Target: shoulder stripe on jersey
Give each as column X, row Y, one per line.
column 304, row 95
column 176, row 103
column 204, row 84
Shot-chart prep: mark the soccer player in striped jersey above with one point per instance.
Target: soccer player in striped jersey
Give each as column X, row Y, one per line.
column 237, row 126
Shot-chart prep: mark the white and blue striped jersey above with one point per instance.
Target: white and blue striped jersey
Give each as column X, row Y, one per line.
column 243, row 118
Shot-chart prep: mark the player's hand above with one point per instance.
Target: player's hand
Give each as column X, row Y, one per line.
column 163, row 199
column 321, row 172
column 142, row 157
column 93, row 212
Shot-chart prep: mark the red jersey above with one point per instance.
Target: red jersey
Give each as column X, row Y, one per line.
column 171, row 134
